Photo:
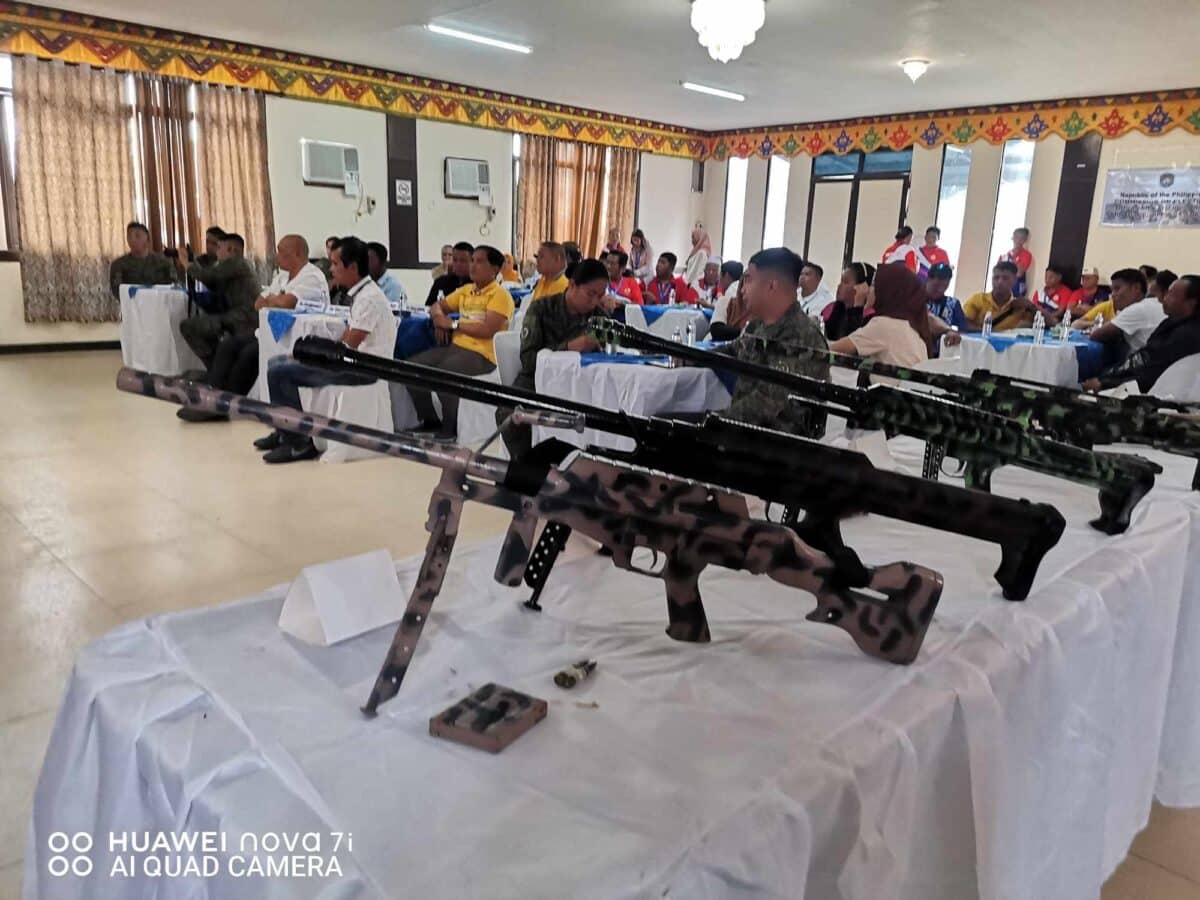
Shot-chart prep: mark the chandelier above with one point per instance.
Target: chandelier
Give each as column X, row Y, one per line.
column 725, row 27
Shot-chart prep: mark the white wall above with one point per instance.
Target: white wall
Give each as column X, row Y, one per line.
column 756, row 204
column 923, row 191
column 796, row 221
column 667, row 208
column 712, row 203
column 983, row 184
column 1043, row 203
column 1111, row 248
column 446, row 221
column 314, row 211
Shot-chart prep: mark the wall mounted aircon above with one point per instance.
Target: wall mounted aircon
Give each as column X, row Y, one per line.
column 468, row 179
column 324, row 162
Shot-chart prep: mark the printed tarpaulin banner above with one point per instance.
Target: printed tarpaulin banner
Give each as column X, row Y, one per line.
column 1152, row 198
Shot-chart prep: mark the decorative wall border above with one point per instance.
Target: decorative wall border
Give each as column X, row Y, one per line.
column 74, row 37
column 1149, row 113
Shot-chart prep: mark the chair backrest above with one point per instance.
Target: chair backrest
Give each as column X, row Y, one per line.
column 634, row 317
column 1180, row 382
column 507, row 345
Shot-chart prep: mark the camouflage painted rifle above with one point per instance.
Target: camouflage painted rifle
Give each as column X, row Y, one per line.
column 692, row 525
column 1064, row 414
column 828, row 483
column 984, row 441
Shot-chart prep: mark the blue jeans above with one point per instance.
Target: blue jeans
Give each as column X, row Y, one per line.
column 285, row 377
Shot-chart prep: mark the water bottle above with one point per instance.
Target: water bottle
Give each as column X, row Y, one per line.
column 987, row 325
column 954, row 352
column 671, row 301
column 1066, row 326
column 1099, row 321
column 1039, row 328
column 691, row 333
column 677, row 337
column 404, row 306
column 441, row 296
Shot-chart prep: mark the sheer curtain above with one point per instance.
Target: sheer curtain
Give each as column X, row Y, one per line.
column 235, row 191
column 622, row 190
column 75, row 187
column 167, row 162
column 561, row 194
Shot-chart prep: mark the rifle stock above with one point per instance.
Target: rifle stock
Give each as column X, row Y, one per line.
column 692, row 524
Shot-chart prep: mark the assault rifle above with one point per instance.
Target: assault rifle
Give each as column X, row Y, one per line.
column 984, row 441
column 829, row 483
column 1074, row 417
column 691, row 525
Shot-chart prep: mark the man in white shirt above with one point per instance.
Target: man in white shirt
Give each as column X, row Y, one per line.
column 297, row 285
column 813, row 296
column 727, row 288
column 377, row 257
column 1137, row 317
column 372, row 329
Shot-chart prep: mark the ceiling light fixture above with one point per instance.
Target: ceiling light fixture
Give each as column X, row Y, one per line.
column 716, row 92
column 726, row 27
column 478, row 39
column 914, row 68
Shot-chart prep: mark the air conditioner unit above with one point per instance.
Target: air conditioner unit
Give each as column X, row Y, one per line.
column 324, row 162
column 468, row 179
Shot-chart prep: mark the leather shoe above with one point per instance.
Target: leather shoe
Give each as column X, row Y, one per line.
column 270, row 442
column 288, row 453
column 190, row 414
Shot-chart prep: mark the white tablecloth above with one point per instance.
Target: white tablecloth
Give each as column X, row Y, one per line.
column 150, row 338
column 678, row 318
column 642, row 390
column 1050, row 363
column 318, row 324
column 1015, row 759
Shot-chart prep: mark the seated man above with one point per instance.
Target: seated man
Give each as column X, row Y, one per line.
column 377, row 257
column 624, row 286
column 1137, row 316
column 457, row 276
column 707, row 293
column 139, row 265
column 551, row 260
column 1176, row 337
column 1008, row 311
column 372, row 329
column 729, row 316
column 298, row 283
column 447, row 261
column 945, row 312
column 237, row 282
column 1054, row 298
column 212, row 245
column 1089, row 296
column 484, row 308
column 667, row 287
column 770, row 284
column 556, row 323
column 814, row 296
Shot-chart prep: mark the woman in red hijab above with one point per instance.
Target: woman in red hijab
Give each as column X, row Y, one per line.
column 898, row 332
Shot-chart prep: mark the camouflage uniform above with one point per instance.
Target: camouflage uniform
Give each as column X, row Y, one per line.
column 549, row 324
column 130, row 269
column 235, row 280
column 757, row 403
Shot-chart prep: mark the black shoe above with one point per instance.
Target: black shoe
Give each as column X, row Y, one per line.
column 189, row 414
column 270, row 442
column 288, row 453
column 426, row 427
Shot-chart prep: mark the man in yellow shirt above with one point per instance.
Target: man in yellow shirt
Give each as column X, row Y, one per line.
column 1104, row 308
column 465, row 344
column 551, row 260
column 1008, row 312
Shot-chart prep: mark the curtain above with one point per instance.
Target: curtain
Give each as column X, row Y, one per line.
column 235, row 191
column 622, row 190
column 167, row 161
column 561, row 194
column 75, row 187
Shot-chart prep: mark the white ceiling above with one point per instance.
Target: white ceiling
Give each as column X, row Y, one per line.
column 814, row 59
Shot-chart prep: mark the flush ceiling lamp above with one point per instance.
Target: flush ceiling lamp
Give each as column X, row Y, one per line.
column 914, row 68
column 726, row 27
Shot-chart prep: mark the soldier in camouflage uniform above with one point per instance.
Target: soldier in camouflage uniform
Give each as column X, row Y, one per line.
column 236, row 281
column 771, row 281
column 139, row 265
column 558, row 322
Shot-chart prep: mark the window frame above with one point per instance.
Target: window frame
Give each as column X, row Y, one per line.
column 855, row 180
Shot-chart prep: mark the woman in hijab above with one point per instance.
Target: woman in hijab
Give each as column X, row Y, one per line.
column 898, row 332
column 641, row 256
column 698, row 258
column 848, row 312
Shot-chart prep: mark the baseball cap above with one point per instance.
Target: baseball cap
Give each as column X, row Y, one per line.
column 1089, row 270
column 940, row 271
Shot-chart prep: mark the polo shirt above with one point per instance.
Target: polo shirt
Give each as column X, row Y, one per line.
column 370, row 312
column 629, row 288
column 548, row 287
column 1138, row 321
column 979, row 305
column 899, row 252
column 472, row 305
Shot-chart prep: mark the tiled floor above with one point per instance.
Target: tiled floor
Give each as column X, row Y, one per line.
column 111, row 509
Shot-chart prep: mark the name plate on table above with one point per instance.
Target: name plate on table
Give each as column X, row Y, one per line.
column 341, row 599
column 310, row 306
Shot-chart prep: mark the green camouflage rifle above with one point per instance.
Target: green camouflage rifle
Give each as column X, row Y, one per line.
column 982, row 440
column 623, row 507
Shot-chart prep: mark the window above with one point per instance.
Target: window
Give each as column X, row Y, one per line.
column 888, row 161
column 735, row 208
column 830, row 165
column 1012, row 199
column 952, row 202
column 778, row 171
column 8, row 165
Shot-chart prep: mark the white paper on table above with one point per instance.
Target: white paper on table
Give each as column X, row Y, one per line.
column 343, row 598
